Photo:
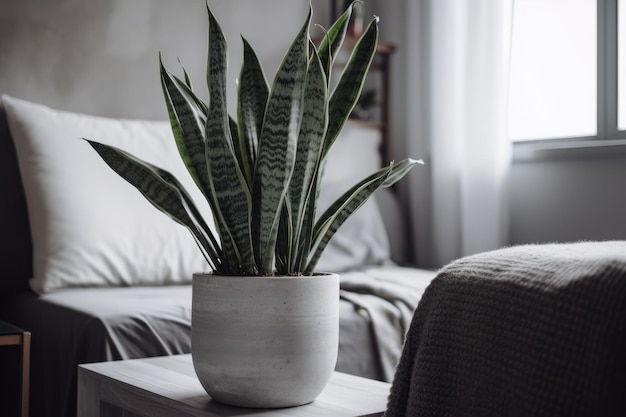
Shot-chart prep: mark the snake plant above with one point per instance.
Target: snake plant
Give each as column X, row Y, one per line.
column 261, row 172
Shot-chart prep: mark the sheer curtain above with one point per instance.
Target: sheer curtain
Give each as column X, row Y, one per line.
column 458, row 63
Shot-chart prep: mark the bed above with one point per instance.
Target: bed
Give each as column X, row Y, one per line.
column 88, row 296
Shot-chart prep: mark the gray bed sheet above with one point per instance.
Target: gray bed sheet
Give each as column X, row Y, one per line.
column 75, row 326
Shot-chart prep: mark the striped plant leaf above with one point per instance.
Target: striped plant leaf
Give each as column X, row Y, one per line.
column 277, row 147
column 242, row 160
column 165, row 193
column 186, row 75
column 203, row 108
column 309, row 150
column 348, row 90
column 253, row 92
column 339, row 212
column 282, row 261
column 349, row 202
column 306, row 236
column 191, row 208
column 228, row 183
column 187, row 121
column 333, row 39
column 400, row 169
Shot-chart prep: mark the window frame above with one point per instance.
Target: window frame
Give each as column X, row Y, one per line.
column 608, row 138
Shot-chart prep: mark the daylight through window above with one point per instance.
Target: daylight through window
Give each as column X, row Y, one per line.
column 554, row 70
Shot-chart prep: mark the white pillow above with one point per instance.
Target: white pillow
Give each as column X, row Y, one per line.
column 89, row 226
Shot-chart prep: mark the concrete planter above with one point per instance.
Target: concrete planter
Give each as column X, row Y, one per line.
column 264, row 342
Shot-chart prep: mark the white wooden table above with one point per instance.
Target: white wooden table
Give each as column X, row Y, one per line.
column 167, row 386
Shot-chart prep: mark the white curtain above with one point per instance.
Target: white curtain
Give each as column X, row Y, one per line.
column 457, row 82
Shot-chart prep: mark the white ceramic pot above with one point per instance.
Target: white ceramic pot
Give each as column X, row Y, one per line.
column 264, row 342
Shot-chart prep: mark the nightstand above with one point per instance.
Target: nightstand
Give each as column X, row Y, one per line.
column 14, row 336
column 167, row 387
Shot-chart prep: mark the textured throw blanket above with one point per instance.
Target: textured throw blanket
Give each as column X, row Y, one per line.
column 387, row 297
column 537, row 330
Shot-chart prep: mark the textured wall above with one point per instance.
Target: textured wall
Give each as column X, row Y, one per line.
column 569, row 197
column 101, row 57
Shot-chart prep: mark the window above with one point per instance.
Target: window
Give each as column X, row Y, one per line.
column 566, row 69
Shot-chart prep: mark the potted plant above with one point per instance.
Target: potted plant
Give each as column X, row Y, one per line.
column 264, row 322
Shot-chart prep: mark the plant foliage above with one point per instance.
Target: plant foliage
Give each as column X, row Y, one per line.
column 261, row 173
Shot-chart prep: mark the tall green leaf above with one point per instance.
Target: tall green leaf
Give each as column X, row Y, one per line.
column 350, row 84
column 187, row 122
column 228, row 183
column 333, row 39
column 349, row 202
column 253, row 93
column 185, row 75
column 284, row 239
column 306, row 235
column 242, row 158
column 308, row 154
column 164, row 192
column 202, row 107
column 277, row 147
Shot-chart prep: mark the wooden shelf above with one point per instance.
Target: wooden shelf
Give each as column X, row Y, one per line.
column 381, row 48
column 373, row 124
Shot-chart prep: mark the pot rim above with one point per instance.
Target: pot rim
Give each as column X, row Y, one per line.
column 315, row 275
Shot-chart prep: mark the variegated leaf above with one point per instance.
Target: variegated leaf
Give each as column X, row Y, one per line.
column 308, row 154
column 253, row 93
column 191, row 208
column 306, row 235
column 338, row 213
column 187, row 121
column 400, row 169
column 230, row 190
column 282, row 261
column 165, row 193
column 202, row 107
column 333, row 39
column 349, row 202
column 350, row 84
column 242, row 160
column 277, row 147
column 186, row 75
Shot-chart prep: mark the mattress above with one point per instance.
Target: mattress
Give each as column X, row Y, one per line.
column 83, row 325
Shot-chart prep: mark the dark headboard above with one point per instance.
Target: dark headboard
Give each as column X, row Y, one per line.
column 15, row 242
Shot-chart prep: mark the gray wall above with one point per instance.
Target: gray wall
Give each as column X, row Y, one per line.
column 101, row 57
column 569, row 195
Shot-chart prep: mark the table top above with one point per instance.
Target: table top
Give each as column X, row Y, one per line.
column 168, row 386
column 8, row 329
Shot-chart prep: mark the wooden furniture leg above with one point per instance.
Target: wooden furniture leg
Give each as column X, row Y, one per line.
column 25, row 373
column 14, row 336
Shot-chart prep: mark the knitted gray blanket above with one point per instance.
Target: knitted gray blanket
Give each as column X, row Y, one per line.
column 536, row 330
